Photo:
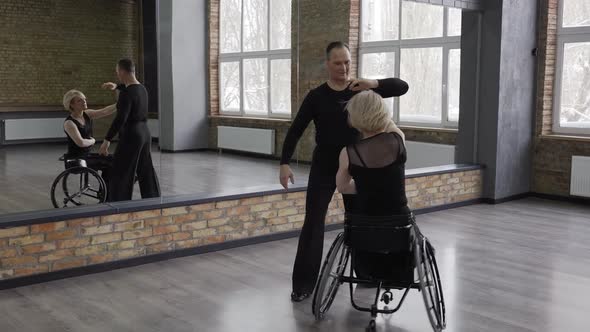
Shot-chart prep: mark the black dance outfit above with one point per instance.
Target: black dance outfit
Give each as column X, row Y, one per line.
column 132, row 155
column 325, row 107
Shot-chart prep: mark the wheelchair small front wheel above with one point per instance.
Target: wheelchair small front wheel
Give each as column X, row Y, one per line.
column 372, row 326
column 78, row 186
column 330, row 277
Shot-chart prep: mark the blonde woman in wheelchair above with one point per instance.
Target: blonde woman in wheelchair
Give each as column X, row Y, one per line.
column 373, row 170
column 78, row 128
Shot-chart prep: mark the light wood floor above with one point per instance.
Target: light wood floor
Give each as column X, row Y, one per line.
column 27, row 172
column 522, row 266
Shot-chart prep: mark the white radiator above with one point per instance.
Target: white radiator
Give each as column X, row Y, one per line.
column 429, row 154
column 22, row 129
column 580, row 181
column 246, row 139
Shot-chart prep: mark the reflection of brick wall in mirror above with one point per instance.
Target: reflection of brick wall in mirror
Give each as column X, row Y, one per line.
column 50, row 47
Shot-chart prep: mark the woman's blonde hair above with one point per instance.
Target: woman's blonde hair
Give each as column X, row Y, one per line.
column 69, row 96
column 368, row 112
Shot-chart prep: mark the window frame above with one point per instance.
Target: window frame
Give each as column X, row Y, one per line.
column 280, row 54
column 565, row 36
column 445, row 42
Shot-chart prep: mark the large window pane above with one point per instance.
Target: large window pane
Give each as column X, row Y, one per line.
column 454, row 22
column 453, row 86
column 229, row 79
column 380, row 20
column 230, row 26
column 379, row 65
column 255, row 86
column 421, row 20
column 280, row 94
column 255, row 25
column 575, row 86
column 422, row 69
column 576, row 13
column 280, row 24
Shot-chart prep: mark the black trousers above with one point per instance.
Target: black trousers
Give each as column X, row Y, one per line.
column 320, row 189
column 102, row 164
column 133, row 156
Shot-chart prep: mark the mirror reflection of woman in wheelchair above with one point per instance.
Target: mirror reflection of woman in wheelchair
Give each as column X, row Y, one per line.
column 78, row 128
column 373, row 169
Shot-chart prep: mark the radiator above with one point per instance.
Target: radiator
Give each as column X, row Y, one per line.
column 429, row 154
column 23, row 129
column 580, row 181
column 246, row 139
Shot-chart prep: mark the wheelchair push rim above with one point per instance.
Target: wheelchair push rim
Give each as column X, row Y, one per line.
column 84, row 189
column 330, row 277
column 430, row 283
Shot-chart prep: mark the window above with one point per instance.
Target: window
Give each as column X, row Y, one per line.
column 571, row 113
column 255, row 58
column 421, row 44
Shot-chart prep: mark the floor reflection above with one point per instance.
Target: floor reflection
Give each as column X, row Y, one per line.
column 521, row 266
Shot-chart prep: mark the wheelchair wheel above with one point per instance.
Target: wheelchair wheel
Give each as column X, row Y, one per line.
column 78, row 186
column 430, row 284
column 330, row 277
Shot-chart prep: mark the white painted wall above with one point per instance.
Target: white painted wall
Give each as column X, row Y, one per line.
column 183, row 74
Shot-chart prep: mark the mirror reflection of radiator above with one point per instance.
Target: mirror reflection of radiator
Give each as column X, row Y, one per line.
column 580, row 181
column 253, row 140
column 26, row 129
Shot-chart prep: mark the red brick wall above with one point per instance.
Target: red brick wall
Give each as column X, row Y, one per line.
column 552, row 153
column 55, row 246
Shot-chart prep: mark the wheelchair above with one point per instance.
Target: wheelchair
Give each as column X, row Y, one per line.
column 414, row 267
column 77, row 185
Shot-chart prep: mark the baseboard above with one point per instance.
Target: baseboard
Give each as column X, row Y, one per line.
column 184, row 151
column 505, row 199
column 571, row 199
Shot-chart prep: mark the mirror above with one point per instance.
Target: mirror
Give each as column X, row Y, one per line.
column 223, row 77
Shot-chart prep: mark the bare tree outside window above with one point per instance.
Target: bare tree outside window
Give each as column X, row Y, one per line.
column 422, row 69
column 255, row 57
column 576, row 13
column 379, row 20
column 424, row 51
column 575, row 88
column 572, row 91
column 229, row 76
column 421, row 20
column 230, row 26
column 379, row 65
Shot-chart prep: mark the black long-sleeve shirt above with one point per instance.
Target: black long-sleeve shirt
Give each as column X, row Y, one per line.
column 132, row 107
column 325, row 106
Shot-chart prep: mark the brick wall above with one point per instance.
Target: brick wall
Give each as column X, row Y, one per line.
column 51, row 46
column 552, row 154
column 29, row 250
column 213, row 57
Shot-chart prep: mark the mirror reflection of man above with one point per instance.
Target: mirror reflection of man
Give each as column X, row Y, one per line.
column 133, row 153
column 325, row 106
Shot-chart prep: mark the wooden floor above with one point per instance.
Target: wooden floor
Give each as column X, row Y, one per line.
column 27, row 172
column 522, row 266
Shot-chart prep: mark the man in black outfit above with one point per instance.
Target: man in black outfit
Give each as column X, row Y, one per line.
column 132, row 155
column 325, row 105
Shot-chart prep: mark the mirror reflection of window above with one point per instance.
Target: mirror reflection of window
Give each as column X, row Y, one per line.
column 255, row 58
column 421, row 44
